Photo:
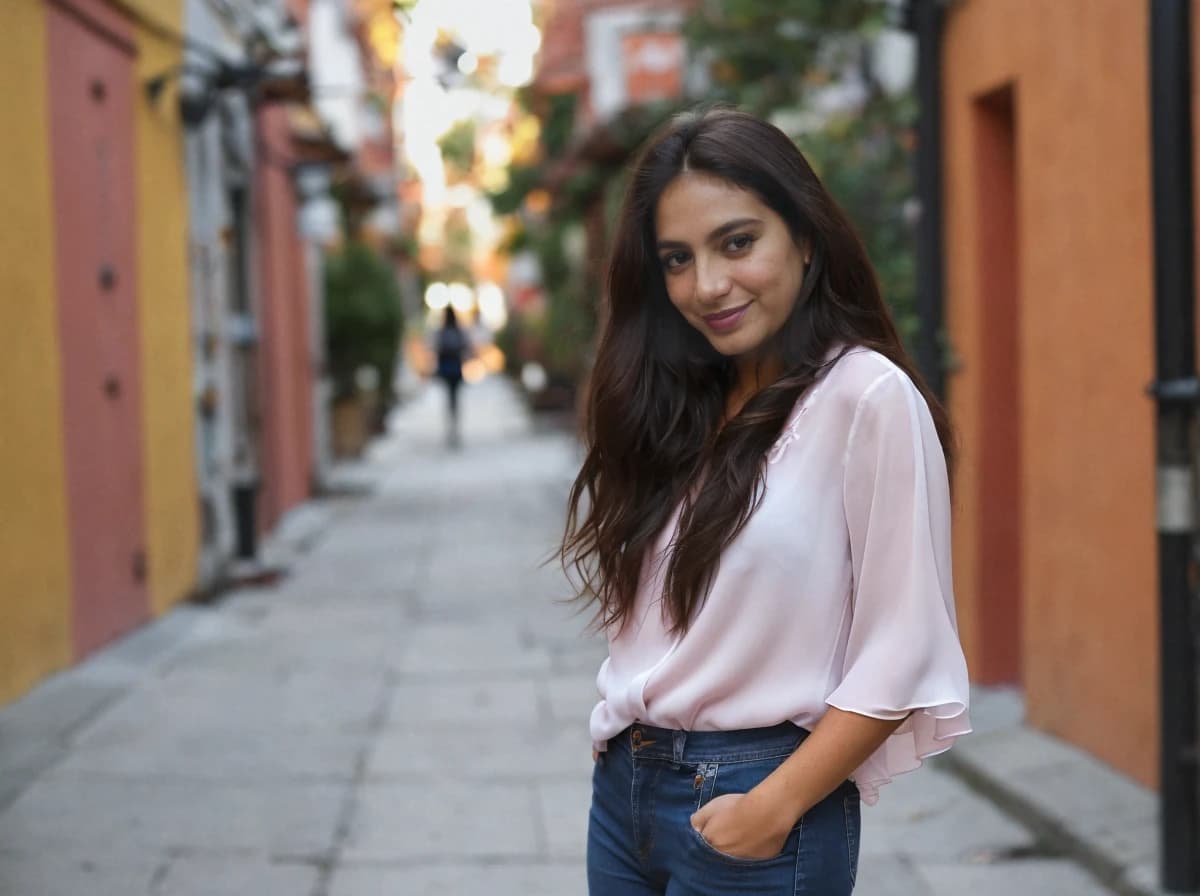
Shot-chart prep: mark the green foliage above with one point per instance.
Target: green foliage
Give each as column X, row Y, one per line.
column 865, row 161
column 566, row 327
column 521, row 180
column 363, row 322
column 458, row 146
column 763, row 52
column 558, row 126
column 456, row 255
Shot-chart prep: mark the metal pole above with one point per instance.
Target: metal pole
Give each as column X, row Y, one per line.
column 1176, row 392
column 925, row 17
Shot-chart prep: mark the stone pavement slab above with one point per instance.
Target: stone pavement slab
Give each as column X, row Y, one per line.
column 469, row 703
column 497, row 751
column 158, row 813
column 222, row 875
column 507, row 879
column 1052, row 877
column 42, row 872
column 444, row 819
column 126, row 746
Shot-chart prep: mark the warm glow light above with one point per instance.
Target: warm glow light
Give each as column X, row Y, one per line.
column 492, row 310
column 499, row 40
column 474, row 370
column 533, row 376
column 461, row 297
column 437, row 296
column 537, row 202
column 515, row 71
column 493, row 359
column 496, row 150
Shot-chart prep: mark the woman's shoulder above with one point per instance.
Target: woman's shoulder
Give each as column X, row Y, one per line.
column 857, row 374
column 833, row 400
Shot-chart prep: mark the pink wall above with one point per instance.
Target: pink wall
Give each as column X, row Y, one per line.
column 285, row 371
column 92, row 137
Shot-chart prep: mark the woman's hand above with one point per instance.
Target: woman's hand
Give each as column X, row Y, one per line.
column 739, row 826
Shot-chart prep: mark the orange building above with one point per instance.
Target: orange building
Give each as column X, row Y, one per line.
column 1049, row 252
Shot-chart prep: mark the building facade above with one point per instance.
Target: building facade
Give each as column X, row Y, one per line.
column 1049, row 254
column 100, row 528
column 166, row 190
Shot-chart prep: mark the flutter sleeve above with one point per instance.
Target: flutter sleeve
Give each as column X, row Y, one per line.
column 902, row 655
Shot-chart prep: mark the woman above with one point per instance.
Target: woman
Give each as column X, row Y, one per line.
column 762, row 522
column 452, row 348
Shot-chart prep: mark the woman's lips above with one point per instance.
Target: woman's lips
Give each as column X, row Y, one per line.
column 726, row 320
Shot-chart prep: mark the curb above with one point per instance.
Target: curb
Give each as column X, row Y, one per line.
column 1073, row 804
column 1088, row 854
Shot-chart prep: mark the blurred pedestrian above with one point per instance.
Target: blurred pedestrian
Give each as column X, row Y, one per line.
column 452, row 347
column 762, row 523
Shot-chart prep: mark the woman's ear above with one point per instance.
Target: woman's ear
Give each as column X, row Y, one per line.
column 805, row 246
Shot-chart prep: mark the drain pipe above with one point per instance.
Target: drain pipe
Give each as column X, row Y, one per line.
column 924, row 19
column 1177, row 391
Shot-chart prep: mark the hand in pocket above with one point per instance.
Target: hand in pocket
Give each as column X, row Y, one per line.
column 730, row 824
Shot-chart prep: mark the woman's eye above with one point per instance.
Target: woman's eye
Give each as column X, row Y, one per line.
column 740, row 242
column 674, row 260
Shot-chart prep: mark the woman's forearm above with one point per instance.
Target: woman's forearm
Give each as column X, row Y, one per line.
column 839, row 743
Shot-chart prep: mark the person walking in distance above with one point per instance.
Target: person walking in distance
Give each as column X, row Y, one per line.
column 762, row 525
column 452, row 348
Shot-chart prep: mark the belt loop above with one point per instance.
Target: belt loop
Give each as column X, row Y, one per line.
column 678, row 738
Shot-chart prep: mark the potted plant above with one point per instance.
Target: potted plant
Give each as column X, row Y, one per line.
column 363, row 326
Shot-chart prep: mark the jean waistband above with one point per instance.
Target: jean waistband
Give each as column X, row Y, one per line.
column 744, row 745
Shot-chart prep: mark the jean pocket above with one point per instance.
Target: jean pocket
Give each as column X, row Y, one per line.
column 737, row 777
column 785, row 854
column 723, row 778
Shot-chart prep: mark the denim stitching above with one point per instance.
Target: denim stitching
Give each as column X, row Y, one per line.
column 651, row 824
column 799, row 855
column 736, row 861
column 633, row 804
column 708, row 772
column 724, row 759
column 850, row 863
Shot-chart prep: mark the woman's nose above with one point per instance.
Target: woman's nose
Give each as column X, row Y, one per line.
column 712, row 281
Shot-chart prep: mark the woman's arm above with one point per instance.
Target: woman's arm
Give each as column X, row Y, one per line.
column 756, row 824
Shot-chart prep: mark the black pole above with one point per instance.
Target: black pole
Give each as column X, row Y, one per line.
column 1175, row 368
column 925, row 19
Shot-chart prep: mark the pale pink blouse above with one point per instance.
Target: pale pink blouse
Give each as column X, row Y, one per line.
column 836, row 593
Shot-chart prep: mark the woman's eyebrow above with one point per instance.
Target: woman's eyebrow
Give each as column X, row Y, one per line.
column 716, row 233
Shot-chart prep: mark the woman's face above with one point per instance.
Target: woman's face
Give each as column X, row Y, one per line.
column 730, row 264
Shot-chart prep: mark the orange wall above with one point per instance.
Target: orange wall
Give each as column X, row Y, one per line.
column 1084, row 339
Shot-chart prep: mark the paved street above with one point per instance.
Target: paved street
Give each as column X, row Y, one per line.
column 403, row 714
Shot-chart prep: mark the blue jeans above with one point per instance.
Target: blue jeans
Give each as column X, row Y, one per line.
column 650, row 781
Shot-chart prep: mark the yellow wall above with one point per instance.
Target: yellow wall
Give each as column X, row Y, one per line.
column 171, row 498
column 35, row 585
column 1089, row 579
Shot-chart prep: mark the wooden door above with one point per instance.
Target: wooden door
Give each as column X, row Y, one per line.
column 92, row 137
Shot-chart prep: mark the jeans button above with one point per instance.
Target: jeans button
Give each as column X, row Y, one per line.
column 637, row 737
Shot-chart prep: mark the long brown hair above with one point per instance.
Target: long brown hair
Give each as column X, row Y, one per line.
column 653, row 430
